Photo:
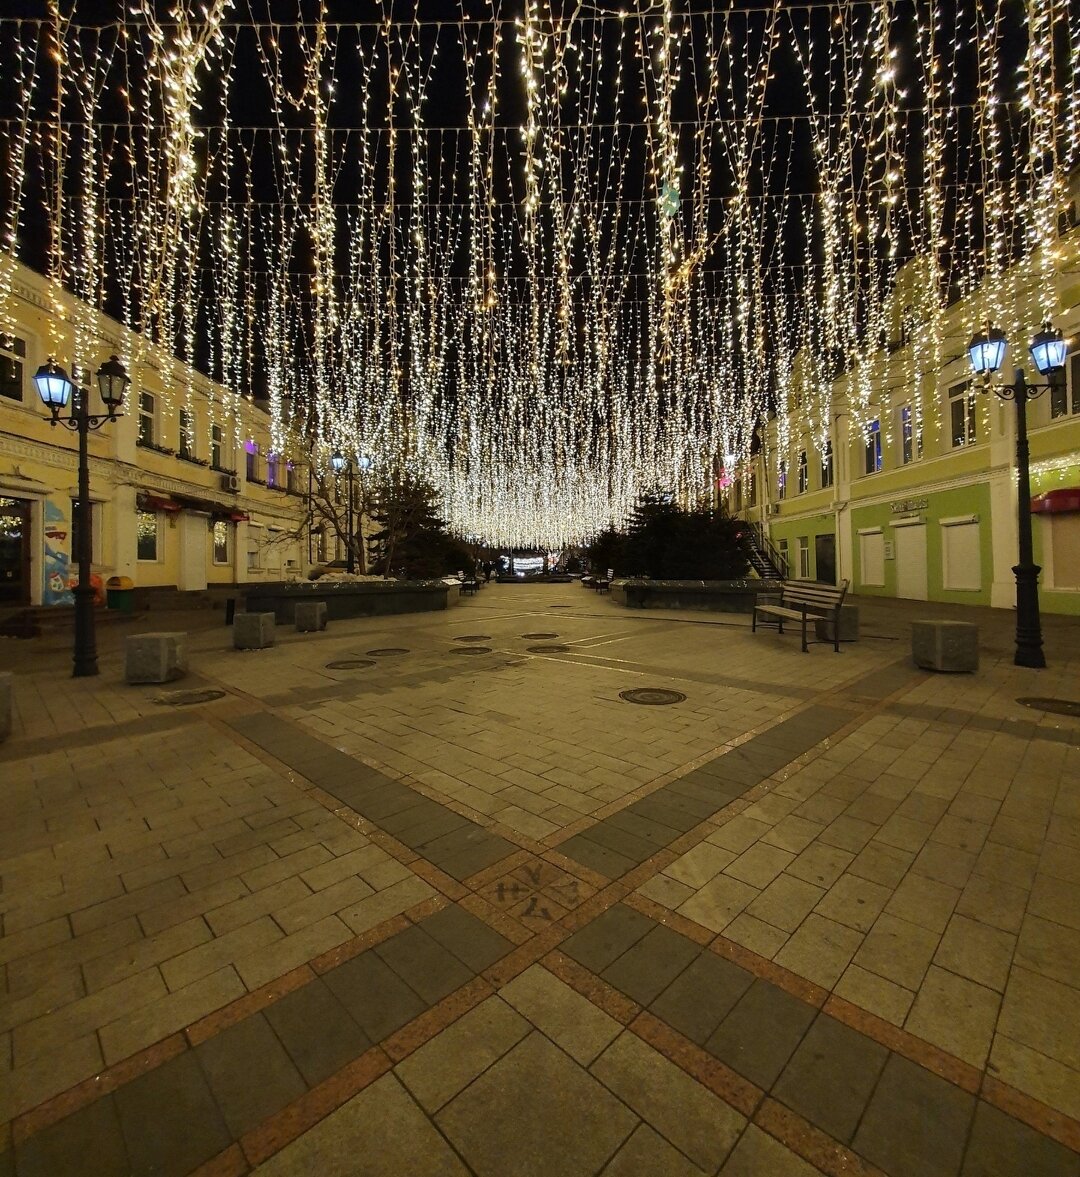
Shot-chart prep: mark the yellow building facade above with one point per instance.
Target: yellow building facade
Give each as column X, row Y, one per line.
column 185, row 488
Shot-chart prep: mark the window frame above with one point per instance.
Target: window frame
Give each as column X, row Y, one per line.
column 804, row 473
column 159, row 538
column 802, row 546
column 229, row 541
column 147, row 416
column 961, row 396
column 827, row 468
column 10, row 355
column 186, row 441
column 872, row 455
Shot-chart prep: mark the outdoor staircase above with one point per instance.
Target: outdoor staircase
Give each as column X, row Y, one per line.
column 764, row 558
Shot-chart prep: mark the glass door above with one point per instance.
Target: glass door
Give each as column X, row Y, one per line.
column 14, row 551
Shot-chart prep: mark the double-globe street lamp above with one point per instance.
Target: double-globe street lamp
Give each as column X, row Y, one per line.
column 1049, row 351
column 343, row 465
column 56, row 391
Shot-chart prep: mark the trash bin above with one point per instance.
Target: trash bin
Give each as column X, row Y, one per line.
column 120, row 593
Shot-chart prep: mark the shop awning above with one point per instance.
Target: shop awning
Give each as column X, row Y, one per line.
column 149, row 501
column 1057, row 502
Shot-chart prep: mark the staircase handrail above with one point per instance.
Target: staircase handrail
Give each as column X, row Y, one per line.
column 765, row 545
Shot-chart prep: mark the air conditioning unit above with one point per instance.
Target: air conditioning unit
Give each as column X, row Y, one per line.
column 230, row 483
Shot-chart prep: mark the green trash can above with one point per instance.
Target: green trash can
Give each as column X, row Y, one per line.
column 120, row 594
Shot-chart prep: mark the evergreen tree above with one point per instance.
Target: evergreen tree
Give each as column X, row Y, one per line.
column 404, row 511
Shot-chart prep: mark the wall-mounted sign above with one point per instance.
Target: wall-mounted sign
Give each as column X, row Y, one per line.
column 909, row 505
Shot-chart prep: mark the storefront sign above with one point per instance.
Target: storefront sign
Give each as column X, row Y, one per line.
column 909, row 505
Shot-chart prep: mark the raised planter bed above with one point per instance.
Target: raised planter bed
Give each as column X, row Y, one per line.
column 712, row 596
column 350, row 599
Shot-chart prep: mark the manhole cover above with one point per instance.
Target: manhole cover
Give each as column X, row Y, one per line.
column 652, row 696
column 472, row 650
column 548, row 649
column 474, row 637
column 539, row 635
column 387, row 650
column 1057, row 706
column 350, row 664
column 187, row 698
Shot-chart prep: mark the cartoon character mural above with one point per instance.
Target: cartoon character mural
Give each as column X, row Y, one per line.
column 61, row 573
column 57, row 588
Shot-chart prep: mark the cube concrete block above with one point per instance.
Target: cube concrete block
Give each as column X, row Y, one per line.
column 310, row 616
column 7, row 704
column 253, row 631
column 849, row 625
column 945, row 645
column 154, row 657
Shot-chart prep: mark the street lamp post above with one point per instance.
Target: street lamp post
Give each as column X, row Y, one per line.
column 1048, row 350
column 56, row 390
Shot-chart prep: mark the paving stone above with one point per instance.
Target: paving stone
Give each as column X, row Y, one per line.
column 451, row 1060
column 956, row 1014
column 502, row 1123
column 884, row 998
column 684, row 1112
column 898, row 950
column 249, row 1072
column 761, row 1033
column 820, row 864
column 602, row 941
column 395, row 899
column 760, row 1155
column 699, row 865
column 424, row 964
column 468, row 938
column 568, row 1019
column 646, row 969
column 755, row 934
column 64, row 1147
column 716, row 904
column 316, row 1030
column 596, row 857
column 785, row 902
column 273, row 960
column 376, row 997
column 831, row 1076
column 188, row 1127
column 383, row 1126
column 916, row 1123
column 646, row 1152
column 759, row 865
column 1002, row 1147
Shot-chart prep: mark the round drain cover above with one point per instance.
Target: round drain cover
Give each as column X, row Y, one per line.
column 548, row 649
column 539, row 635
column 474, row 637
column 1056, row 706
column 350, row 664
column 186, row 698
column 387, row 650
column 472, row 650
column 652, row 696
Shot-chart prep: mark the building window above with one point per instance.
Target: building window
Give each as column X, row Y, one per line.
column 12, row 363
column 273, row 470
column 253, row 551
column 781, row 483
column 962, row 414
column 148, row 533
column 320, row 545
column 736, row 494
column 219, row 448
column 221, row 541
column 751, row 489
column 147, row 409
column 251, row 453
column 827, row 465
column 873, row 447
column 187, row 433
column 804, row 474
column 292, row 478
column 910, row 438
column 1065, row 395
column 781, row 547
column 804, row 556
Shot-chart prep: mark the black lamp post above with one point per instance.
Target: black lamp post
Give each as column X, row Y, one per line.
column 55, row 390
column 341, row 465
column 1048, row 350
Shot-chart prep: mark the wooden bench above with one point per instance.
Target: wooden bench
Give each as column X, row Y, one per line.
column 469, row 587
column 601, row 586
column 806, row 601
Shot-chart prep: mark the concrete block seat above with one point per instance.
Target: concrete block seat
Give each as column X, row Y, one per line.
column 951, row 646
column 253, row 631
column 848, row 622
column 154, row 657
column 310, row 617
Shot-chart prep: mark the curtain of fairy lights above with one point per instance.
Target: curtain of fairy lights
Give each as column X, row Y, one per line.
column 545, row 261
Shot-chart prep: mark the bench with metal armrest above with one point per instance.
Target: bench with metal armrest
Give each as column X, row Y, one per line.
column 806, row 601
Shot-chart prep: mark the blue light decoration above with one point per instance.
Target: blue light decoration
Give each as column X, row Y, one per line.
column 987, row 352
column 1049, row 350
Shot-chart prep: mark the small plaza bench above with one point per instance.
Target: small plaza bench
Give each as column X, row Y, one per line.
column 808, row 602
column 469, row 587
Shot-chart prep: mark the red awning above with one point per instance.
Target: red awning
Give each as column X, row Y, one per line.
column 156, row 502
column 1057, row 502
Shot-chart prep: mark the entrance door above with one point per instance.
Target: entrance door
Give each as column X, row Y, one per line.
column 825, row 558
column 14, row 551
column 911, row 562
column 193, row 544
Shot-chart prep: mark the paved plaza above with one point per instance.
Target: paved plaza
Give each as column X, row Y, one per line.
column 423, row 895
